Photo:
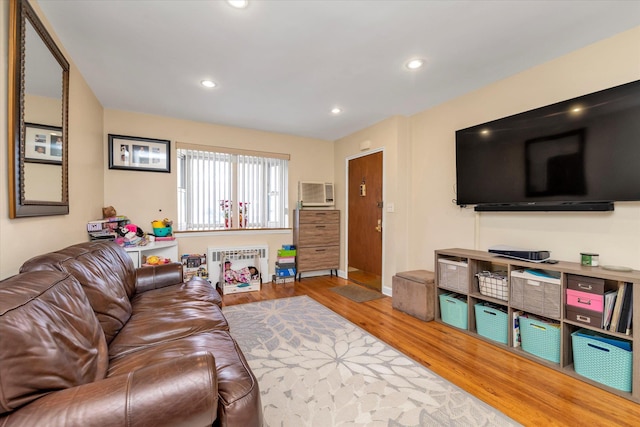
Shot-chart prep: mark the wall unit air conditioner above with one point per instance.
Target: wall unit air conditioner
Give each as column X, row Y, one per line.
column 315, row 193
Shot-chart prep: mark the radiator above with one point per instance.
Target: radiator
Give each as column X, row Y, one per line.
column 240, row 256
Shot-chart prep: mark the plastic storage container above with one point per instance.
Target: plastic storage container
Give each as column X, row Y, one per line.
column 540, row 338
column 492, row 323
column 162, row 231
column 600, row 358
column 453, row 275
column 453, row 311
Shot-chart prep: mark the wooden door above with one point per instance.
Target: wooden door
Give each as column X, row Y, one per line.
column 365, row 220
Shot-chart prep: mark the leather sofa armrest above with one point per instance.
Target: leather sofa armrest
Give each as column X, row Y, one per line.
column 158, row 276
column 182, row 391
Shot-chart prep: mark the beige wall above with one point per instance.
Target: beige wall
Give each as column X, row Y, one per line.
column 24, row 237
column 419, row 168
column 438, row 223
column 145, row 196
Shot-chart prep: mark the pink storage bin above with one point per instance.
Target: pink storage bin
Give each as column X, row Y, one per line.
column 585, row 300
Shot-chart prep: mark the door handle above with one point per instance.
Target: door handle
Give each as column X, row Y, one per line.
column 379, row 226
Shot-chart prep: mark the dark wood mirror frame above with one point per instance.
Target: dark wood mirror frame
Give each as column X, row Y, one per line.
column 21, row 13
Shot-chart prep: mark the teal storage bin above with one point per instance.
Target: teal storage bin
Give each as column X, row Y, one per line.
column 453, row 311
column 601, row 361
column 162, row 231
column 540, row 338
column 492, row 323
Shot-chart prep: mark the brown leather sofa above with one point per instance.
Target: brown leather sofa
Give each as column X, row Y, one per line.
column 88, row 340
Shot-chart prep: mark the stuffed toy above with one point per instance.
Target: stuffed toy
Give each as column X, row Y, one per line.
column 132, row 235
column 244, row 275
column 108, row 212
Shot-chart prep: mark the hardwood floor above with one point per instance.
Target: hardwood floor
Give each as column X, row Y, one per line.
column 528, row 392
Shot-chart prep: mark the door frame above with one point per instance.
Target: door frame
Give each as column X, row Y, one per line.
column 384, row 215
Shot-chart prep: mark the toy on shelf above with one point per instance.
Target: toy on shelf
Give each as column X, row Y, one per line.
column 105, row 229
column 131, row 235
column 156, row 260
column 162, row 229
column 194, row 265
column 245, row 277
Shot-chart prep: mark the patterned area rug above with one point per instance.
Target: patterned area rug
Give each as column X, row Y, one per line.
column 356, row 293
column 315, row 368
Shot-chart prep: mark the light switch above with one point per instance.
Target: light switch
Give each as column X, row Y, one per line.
column 390, row 207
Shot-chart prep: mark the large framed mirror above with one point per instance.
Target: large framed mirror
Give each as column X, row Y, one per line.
column 38, row 116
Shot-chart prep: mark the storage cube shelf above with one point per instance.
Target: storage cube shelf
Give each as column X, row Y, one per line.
column 558, row 328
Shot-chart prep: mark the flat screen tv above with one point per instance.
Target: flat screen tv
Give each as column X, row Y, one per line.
column 579, row 154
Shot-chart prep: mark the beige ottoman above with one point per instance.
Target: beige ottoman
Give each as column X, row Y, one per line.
column 414, row 293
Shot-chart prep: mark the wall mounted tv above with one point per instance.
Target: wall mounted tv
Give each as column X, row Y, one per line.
column 578, row 155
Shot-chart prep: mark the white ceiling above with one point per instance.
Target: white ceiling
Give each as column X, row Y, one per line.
column 282, row 65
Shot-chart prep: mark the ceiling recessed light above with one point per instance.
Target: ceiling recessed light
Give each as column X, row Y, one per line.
column 414, row 64
column 336, row 110
column 208, row 83
column 238, row 4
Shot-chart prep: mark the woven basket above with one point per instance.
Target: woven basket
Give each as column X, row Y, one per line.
column 453, row 311
column 540, row 338
column 600, row 361
column 492, row 323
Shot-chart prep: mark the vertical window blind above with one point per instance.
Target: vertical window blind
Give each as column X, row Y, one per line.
column 222, row 188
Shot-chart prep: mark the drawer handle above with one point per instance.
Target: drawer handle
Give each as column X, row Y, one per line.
column 533, row 283
column 587, row 287
column 321, row 226
column 583, row 318
column 320, row 250
column 584, row 301
column 489, row 312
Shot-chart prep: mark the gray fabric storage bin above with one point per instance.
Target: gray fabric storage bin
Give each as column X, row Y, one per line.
column 536, row 294
column 453, row 275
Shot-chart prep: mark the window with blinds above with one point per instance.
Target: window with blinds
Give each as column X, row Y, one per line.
column 221, row 188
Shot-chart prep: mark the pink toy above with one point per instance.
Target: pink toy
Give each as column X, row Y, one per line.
column 244, row 275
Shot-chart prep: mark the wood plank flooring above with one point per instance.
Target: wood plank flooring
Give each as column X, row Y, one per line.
column 528, row 392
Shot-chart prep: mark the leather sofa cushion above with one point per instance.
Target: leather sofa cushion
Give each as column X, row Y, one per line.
column 238, row 393
column 106, row 273
column 191, row 294
column 147, row 327
column 51, row 338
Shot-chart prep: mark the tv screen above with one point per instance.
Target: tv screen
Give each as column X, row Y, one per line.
column 580, row 151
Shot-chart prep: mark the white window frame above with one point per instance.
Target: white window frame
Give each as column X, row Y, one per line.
column 212, row 179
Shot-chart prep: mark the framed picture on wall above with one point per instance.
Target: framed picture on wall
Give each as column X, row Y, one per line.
column 140, row 154
column 43, row 144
